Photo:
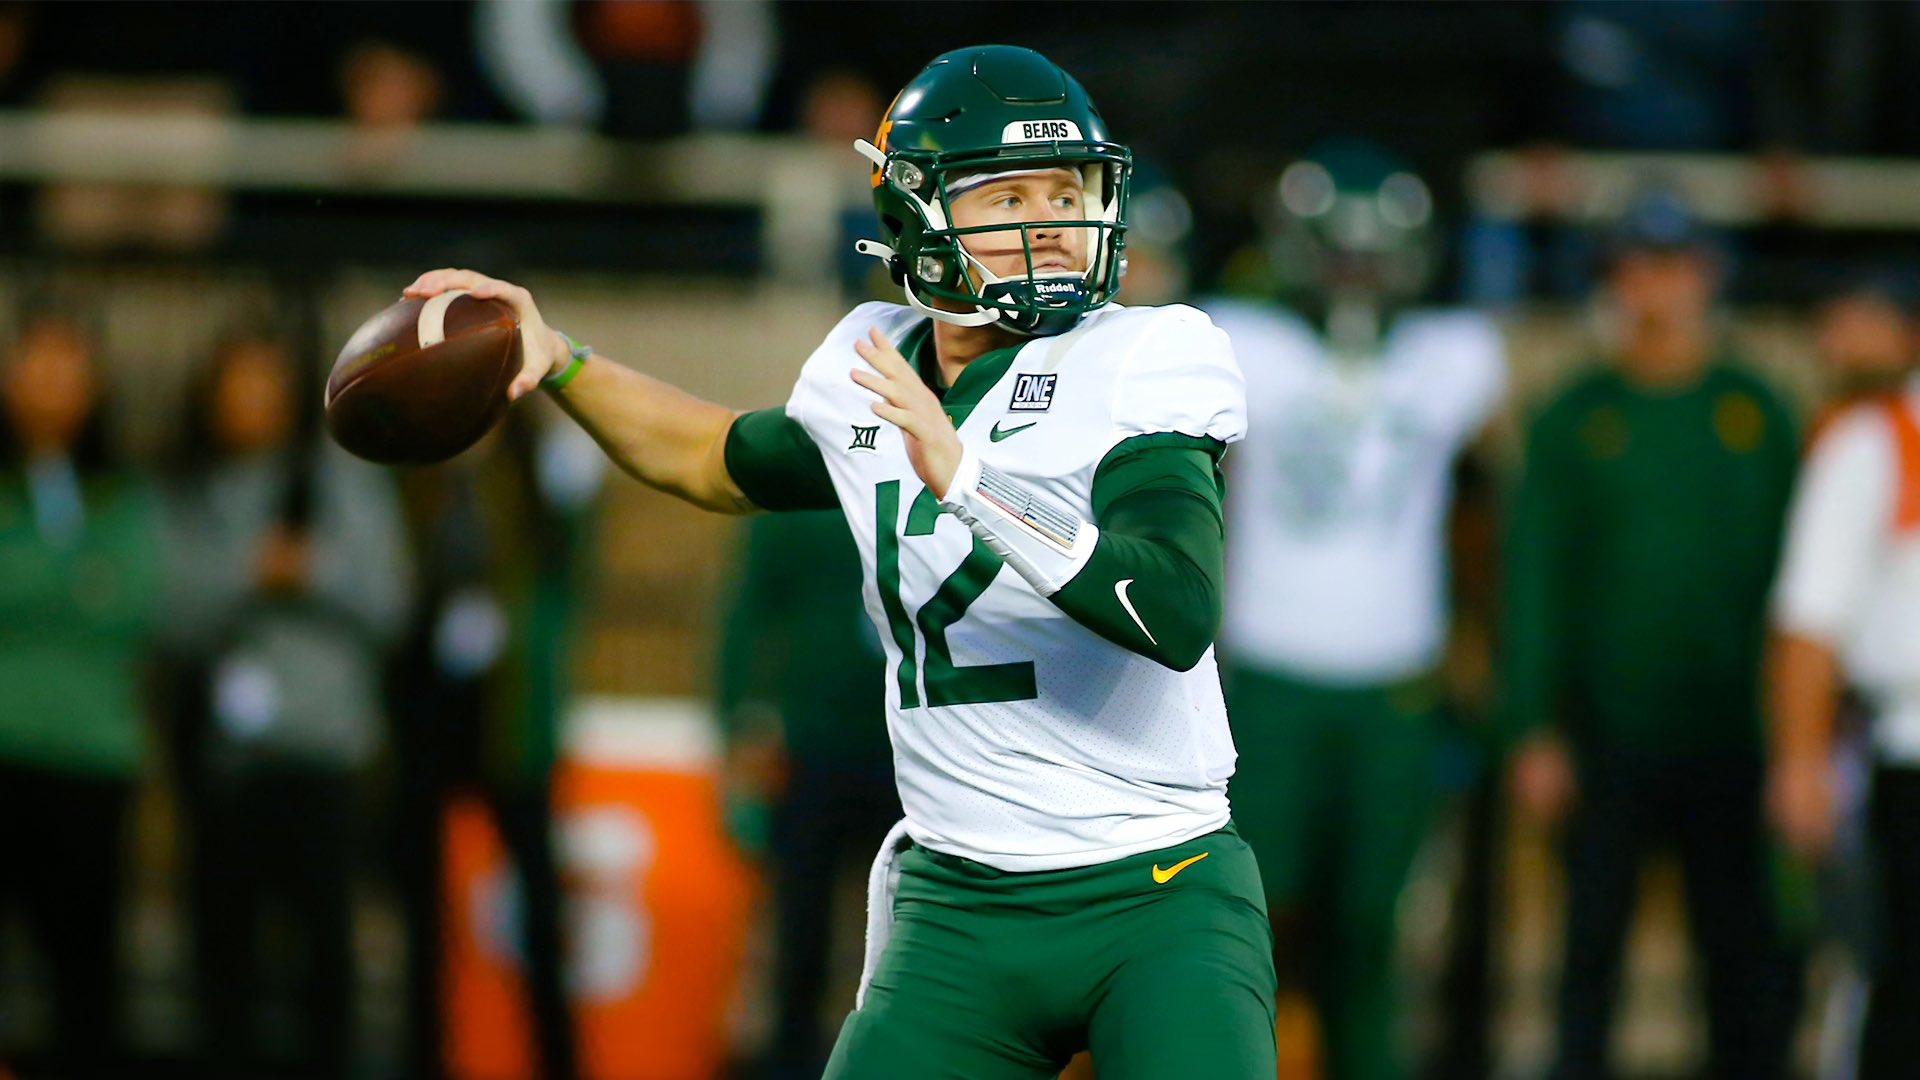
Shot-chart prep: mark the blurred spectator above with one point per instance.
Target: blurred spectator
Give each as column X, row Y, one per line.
column 385, row 87
column 387, row 93
column 1864, row 348
column 292, row 65
column 1847, row 613
column 288, row 582
column 810, row 776
column 840, row 106
column 1641, row 548
column 1358, row 405
column 77, row 595
column 502, row 539
column 1864, row 337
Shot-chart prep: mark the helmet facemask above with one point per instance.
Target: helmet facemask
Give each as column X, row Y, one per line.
column 915, row 193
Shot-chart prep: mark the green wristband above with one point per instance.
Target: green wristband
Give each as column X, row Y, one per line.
column 579, row 355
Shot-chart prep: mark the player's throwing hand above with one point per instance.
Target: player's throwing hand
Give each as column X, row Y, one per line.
column 932, row 445
column 543, row 350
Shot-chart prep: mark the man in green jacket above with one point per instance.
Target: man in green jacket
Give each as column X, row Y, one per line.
column 1641, row 549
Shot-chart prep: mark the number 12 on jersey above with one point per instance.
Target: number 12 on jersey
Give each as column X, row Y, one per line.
column 946, row 682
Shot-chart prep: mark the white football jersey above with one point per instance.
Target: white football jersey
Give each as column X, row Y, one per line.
column 1336, row 543
column 1021, row 739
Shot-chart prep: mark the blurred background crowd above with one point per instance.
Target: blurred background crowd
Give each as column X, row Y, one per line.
column 1574, row 655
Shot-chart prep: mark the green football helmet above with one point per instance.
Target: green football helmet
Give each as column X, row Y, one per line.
column 1350, row 218
column 1350, row 240
column 991, row 110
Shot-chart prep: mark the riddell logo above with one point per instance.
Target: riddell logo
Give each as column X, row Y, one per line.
column 1044, row 287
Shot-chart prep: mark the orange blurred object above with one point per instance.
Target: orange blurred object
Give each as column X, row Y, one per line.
column 657, row 909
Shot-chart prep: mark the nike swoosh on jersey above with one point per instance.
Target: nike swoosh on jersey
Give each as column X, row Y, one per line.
column 1120, row 590
column 1161, row 877
column 996, row 434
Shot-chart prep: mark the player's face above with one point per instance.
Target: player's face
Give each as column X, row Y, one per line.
column 1052, row 195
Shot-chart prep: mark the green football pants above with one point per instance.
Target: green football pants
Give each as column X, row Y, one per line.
column 1161, row 964
column 1333, row 790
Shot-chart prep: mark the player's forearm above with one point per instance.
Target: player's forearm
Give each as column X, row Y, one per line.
column 1152, row 594
column 1803, row 679
column 1146, row 576
column 662, row 436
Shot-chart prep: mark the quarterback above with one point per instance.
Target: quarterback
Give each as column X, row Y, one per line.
column 1032, row 473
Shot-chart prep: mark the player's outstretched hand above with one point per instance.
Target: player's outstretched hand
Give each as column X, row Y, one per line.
column 542, row 350
column 907, row 404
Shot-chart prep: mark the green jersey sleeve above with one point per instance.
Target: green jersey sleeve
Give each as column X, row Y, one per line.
column 777, row 464
column 1153, row 583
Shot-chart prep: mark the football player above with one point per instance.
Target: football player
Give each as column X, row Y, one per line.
column 1339, row 620
column 1032, row 473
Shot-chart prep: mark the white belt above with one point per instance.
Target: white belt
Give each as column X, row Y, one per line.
column 883, row 884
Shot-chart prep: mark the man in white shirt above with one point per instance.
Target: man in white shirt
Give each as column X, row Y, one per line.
column 1847, row 612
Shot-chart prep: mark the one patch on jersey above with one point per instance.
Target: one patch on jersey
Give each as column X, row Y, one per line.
column 1032, row 393
column 865, row 437
column 1041, row 131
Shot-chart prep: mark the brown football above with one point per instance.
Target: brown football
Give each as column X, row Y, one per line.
column 424, row 379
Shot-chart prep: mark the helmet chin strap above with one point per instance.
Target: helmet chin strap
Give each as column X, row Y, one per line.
column 988, row 279
column 980, row 316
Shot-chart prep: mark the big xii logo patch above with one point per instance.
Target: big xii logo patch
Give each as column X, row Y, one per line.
column 864, row 438
column 1032, row 393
